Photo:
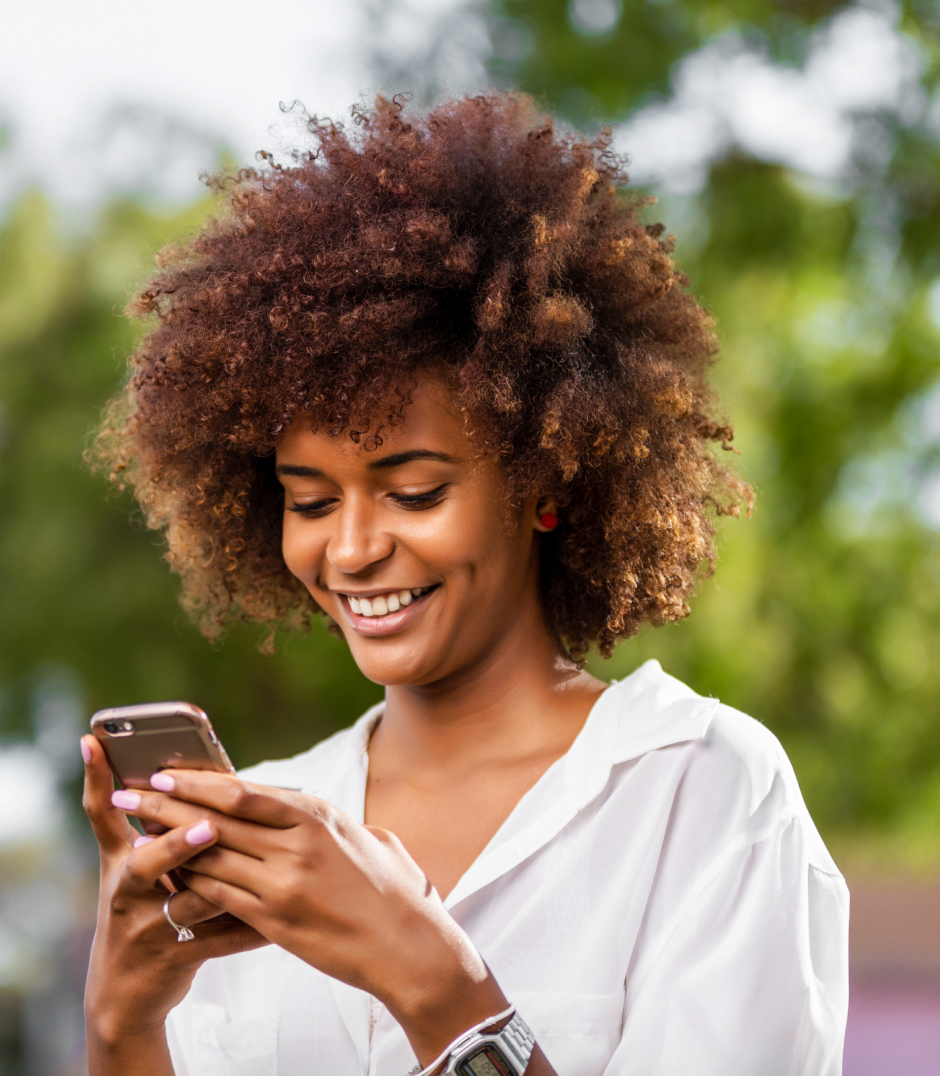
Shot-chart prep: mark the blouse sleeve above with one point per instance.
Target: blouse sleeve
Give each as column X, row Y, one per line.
column 751, row 977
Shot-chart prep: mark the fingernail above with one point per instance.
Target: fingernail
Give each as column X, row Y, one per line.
column 86, row 751
column 162, row 782
column 199, row 834
column 143, row 840
column 127, row 801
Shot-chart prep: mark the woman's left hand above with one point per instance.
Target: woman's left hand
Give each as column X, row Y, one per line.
column 344, row 897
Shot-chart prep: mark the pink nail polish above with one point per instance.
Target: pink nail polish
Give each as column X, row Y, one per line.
column 162, row 782
column 86, row 751
column 142, row 840
column 199, row 834
column 127, row 801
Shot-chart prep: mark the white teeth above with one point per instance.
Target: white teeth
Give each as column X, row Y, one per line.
column 383, row 604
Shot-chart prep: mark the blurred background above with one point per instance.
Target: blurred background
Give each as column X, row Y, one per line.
column 794, row 146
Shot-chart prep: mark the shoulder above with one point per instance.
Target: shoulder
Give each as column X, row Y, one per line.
column 741, row 752
column 315, row 769
column 733, row 781
column 763, row 790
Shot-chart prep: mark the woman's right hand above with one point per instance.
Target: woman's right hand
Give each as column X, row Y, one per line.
column 138, row 970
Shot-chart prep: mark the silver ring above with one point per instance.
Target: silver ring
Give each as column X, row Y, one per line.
column 182, row 933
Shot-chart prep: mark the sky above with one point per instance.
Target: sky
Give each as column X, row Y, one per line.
column 82, row 84
column 107, row 94
column 729, row 93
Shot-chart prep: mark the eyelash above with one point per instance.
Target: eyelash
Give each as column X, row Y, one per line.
column 419, row 500
column 406, row 500
column 308, row 509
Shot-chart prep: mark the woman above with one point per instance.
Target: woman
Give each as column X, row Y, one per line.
column 436, row 382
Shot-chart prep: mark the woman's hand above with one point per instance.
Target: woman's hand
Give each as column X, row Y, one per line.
column 138, row 969
column 344, row 897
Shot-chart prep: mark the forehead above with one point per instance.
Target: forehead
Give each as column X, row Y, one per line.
column 430, row 421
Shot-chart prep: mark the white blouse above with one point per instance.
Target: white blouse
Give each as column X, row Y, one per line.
column 658, row 903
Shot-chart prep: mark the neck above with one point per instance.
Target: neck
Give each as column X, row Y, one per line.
column 521, row 697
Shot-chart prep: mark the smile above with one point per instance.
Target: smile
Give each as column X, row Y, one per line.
column 385, row 614
column 383, row 604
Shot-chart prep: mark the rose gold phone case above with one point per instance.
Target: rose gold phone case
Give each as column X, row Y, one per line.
column 141, row 740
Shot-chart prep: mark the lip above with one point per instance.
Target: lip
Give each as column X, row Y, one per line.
column 373, row 626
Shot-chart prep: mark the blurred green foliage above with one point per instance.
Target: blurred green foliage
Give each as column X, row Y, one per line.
column 82, row 584
column 606, row 73
column 823, row 620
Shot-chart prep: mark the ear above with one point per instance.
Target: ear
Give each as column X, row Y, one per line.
column 546, row 506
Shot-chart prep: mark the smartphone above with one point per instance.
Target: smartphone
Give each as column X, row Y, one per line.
column 140, row 740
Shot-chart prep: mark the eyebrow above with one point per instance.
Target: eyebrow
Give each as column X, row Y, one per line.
column 383, row 464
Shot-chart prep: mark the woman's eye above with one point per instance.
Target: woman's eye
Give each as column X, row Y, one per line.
column 420, row 500
column 414, row 501
column 311, row 508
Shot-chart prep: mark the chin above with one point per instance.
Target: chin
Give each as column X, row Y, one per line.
column 392, row 668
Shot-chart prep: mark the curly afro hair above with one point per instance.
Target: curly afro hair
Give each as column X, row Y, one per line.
column 476, row 240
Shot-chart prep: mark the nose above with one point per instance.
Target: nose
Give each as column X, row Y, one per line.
column 358, row 541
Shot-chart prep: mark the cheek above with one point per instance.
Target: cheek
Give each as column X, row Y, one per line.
column 300, row 549
column 474, row 545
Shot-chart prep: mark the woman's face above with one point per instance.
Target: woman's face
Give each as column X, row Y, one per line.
column 407, row 547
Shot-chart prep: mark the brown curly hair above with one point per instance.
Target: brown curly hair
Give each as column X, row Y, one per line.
column 480, row 241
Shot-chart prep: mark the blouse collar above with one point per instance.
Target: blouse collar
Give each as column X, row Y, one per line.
column 647, row 711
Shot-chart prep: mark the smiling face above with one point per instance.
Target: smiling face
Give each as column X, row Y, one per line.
column 407, row 547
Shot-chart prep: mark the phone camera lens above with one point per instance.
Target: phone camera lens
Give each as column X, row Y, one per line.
column 111, row 726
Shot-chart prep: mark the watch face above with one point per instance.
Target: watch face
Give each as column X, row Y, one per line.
column 487, row 1061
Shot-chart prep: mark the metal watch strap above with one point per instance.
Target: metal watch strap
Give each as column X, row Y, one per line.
column 515, row 1041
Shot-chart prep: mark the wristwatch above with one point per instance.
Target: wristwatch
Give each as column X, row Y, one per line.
column 487, row 1053
column 494, row 1053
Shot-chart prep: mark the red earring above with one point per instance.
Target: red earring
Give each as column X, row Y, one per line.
column 549, row 521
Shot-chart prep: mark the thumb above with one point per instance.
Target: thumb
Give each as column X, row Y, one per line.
column 111, row 828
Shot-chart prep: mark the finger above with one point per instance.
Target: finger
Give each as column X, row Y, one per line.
column 218, row 938
column 236, row 869
column 215, row 934
column 189, row 908
column 153, row 858
column 110, row 826
column 160, row 811
column 228, row 795
column 171, row 882
column 238, row 902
